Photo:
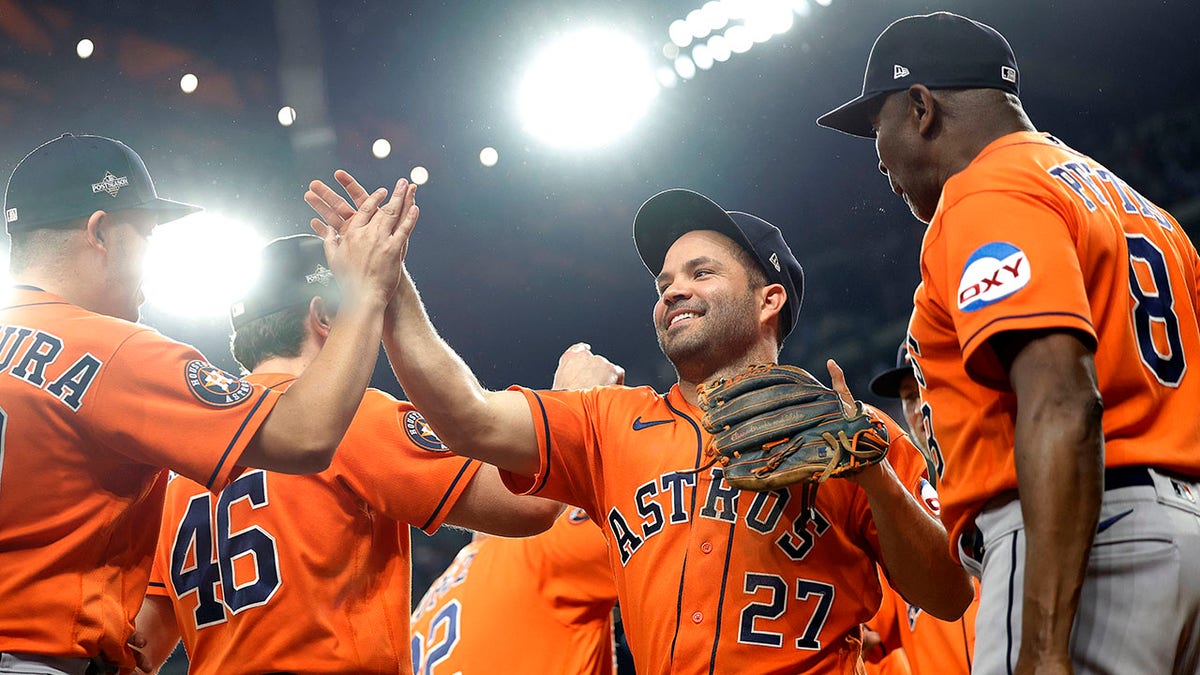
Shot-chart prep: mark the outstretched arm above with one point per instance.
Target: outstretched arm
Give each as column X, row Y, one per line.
column 367, row 256
column 493, row 426
column 914, row 544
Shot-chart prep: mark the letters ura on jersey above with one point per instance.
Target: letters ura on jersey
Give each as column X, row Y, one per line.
column 660, row 503
column 31, row 356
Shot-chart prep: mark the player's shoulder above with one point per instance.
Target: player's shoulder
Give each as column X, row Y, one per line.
column 1019, row 162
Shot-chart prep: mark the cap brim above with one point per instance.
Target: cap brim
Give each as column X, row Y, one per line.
column 169, row 210
column 669, row 215
column 887, row 384
column 853, row 117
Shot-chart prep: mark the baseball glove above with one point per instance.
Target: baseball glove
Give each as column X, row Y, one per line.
column 775, row 426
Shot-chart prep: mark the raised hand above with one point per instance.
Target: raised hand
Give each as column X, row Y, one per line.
column 365, row 245
column 579, row 368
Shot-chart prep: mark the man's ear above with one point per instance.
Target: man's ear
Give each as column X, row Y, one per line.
column 773, row 299
column 923, row 107
column 96, row 226
column 320, row 316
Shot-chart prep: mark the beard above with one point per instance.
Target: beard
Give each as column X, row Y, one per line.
column 726, row 330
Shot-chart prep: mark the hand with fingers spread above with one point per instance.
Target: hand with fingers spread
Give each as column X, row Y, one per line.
column 365, row 243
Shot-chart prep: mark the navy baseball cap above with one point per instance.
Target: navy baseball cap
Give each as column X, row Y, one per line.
column 941, row 51
column 887, row 383
column 73, row 176
column 293, row 270
column 670, row 214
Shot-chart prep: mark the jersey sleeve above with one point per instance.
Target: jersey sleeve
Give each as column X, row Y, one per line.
column 579, row 576
column 1008, row 263
column 161, row 403
column 392, row 459
column 569, row 464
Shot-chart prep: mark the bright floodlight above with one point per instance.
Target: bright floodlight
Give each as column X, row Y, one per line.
column 740, row 40
column 666, row 76
column 287, row 116
column 715, row 14
column 587, row 89
column 718, row 46
column 381, row 148
column 85, row 48
column 188, row 83
column 198, row 265
column 488, row 156
column 419, row 175
column 685, row 67
column 680, row 34
column 702, row 57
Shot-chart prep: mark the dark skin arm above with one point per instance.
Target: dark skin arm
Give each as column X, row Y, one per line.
column 1060, row 476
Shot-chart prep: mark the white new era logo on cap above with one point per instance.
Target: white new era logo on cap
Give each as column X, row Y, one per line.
column 899, row 71
column 775, row 261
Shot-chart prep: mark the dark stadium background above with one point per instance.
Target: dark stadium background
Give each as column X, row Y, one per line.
column 518, row 261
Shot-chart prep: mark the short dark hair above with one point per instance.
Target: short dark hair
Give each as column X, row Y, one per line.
column 280, row 333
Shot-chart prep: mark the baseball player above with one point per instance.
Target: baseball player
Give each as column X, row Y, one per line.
column 931, row 646
column 93, row 404
column 542, row 604
column 1051, row 291
column 709, row 579
column 327, row 555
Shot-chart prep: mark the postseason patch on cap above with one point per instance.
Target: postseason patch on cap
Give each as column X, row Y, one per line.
column 992, row 273
column 420, row 433
column 214, row 386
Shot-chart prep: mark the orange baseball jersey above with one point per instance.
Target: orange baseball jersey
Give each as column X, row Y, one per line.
column 542, row 604
column 929, row 646
column 309, row 574
column 90, row 408
column 1033, row 235
column 710, row 579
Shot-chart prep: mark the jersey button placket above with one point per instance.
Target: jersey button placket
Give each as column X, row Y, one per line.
column 706, row 548
column 697, row 617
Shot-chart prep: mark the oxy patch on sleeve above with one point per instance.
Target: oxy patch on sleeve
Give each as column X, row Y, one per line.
column 993, row 272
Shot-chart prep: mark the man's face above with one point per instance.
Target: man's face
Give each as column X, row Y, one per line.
column 902, row 158
column 126, row 237
column 705, row 307
column 910, row 401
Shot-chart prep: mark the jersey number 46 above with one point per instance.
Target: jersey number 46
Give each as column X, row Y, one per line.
column 212, row 559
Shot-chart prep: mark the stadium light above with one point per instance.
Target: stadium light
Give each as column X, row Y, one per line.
column 735, row 26
column 188, row 83
column 419, row 175
column 198, row 265
column 586, row 89
column 287, row 116
column 488, row 156
column 85, row 48
column 381, row 148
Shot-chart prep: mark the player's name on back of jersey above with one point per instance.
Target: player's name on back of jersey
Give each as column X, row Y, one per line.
column 31, row 356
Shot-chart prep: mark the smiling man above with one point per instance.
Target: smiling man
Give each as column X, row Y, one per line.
column 710, row 579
